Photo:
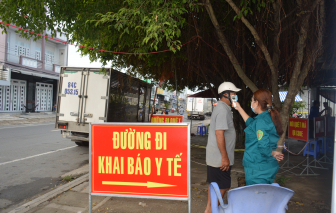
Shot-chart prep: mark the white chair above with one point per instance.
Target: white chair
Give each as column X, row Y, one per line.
column 258, row 198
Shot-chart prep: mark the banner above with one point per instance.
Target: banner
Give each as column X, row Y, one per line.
column 160, row 91
column 140, row 160
column 298, row 129
column 167, row 119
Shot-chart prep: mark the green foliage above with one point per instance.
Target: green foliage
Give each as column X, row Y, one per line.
column 296, row 106
column 248, row 6
column 282, row 180
column 166, row 105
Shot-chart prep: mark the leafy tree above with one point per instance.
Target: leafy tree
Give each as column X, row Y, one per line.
column 252, row 43
column 296, row 106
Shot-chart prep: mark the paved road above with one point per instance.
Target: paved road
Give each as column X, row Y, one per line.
column 32, row 158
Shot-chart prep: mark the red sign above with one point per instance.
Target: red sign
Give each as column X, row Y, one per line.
column 147, row 160
column 298, row 129
column 319, row 127
column 167, row 119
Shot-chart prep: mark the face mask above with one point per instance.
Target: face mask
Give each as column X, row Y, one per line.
column 252, row 108
column 234, row 97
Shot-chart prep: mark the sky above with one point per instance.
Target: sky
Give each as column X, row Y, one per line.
column 76, row 60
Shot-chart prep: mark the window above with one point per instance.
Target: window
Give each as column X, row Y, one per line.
column 20, row 50
column 38, row 55
column 49, row 57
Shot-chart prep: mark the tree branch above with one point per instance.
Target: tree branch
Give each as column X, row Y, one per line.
column 276, row 53
column 250, row 49
column 263, row 48
column 227, row 48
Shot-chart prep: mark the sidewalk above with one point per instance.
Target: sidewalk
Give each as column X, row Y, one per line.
column 26, row 118
column 312, row 193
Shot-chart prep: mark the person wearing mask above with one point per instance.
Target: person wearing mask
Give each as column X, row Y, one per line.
column 221, row 141
column 262, row 133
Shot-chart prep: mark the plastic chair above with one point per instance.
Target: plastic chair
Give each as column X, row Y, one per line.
column 259, row 198
column 311, row 151
column 201, row 130
column 329, row 145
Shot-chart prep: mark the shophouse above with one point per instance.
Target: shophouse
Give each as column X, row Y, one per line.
column 29, row 71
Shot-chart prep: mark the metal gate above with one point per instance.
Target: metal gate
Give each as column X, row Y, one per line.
column 43, row 96
column 13, row 97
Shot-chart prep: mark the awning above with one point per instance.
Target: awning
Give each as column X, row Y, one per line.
column 328, row 93
column 203, row 94
column 37, row 74
column 208, row 94
column 27, row 71
column 284, row 94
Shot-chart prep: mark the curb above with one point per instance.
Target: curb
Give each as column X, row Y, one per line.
column 28, row 206
column 78, row 172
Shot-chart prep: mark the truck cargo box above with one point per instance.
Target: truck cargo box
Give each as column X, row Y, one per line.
column 90, row 95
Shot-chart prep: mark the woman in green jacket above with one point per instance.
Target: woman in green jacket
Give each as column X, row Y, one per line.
column 262, row 132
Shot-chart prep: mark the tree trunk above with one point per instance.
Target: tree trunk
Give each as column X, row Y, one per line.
column 299, row 72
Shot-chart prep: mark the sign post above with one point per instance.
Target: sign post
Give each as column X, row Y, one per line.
column 140, row 160
column 333, row 195
column 328, row 136
column 319, row 134
column 298, row 128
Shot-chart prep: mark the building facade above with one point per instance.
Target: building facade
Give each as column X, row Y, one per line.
column 29, row 72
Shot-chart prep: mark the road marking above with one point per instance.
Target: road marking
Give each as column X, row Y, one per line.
column 55, row 130
column 36, row 155
column 27, row 125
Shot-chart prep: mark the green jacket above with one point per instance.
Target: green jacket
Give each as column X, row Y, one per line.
column 260, row 139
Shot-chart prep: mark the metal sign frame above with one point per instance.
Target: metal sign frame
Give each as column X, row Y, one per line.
column 139, row 196
column 324, row 123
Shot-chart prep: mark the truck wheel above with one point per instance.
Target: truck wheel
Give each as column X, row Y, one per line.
column 82, row 143
column 79, row 143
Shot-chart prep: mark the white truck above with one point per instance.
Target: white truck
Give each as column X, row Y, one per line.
column 90, row 95
column 195, row 108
